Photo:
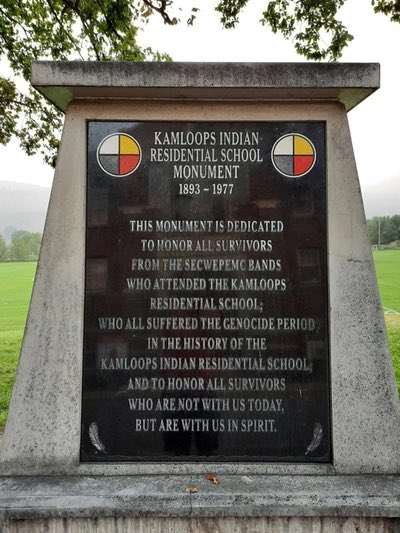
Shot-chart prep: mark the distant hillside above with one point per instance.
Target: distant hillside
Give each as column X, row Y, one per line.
column 22, row 207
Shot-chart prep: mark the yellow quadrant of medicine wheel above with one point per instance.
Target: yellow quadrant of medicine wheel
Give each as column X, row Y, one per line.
column 127, row 146
column 302, row 146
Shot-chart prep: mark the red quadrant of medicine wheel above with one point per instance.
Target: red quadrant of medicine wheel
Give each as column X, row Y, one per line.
column 128, row 162
column 302, row 163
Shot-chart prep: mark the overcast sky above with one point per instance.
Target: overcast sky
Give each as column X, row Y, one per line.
column 373, row 123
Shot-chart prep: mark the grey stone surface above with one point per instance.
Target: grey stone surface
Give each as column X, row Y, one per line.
column 348, row 83
column 110, row 163
column 285, row 163
column 206, row 525
column 117, row 496
column 42, row 435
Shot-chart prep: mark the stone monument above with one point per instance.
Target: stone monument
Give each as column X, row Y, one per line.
column 205, row 346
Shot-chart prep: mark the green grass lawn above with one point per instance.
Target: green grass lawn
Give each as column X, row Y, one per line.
column 16, row 281
column 387, row 265
column 393, row 332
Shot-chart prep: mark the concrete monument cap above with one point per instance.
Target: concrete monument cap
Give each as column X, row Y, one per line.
column 348, row 83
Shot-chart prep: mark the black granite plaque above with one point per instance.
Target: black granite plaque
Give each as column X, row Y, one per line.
column 206, row 299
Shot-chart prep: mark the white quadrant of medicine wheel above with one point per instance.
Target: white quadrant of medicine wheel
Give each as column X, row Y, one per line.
column 285, row 146
column 110, row 145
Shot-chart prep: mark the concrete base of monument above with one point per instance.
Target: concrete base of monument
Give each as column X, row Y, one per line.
column 209, row 525
column 238, row 503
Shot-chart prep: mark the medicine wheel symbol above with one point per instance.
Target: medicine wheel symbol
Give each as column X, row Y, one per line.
column 119, row 154
column 293, row 155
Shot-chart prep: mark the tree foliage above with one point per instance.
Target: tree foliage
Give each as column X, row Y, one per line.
column 314, row 25
column 60, row 30
column 25, row 246
column 3, row 248
column 391, row 9
column 309, row 22
column 384, row 230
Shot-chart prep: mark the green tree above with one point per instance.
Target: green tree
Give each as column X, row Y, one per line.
column 314, row 25
column 3, row 248
column 396, row 227
column 18, row 250
column 34, row 242
column 307, row 21
column 25, row 246
column 373, row 230
column 384, row 230
column 60, row 30
column 386, row 236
